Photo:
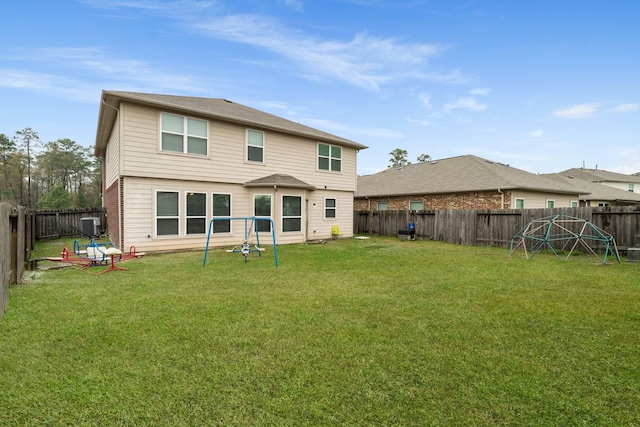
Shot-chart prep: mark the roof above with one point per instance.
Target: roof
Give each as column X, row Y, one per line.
column 594, row 191
column 598, row 175
column 279, row 180
column 455, row 175
column 215, row 108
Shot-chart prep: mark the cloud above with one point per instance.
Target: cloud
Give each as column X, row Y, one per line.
column 480, row 91
column 426, row 100
column 466, row 103
column 625, row 108
column 537, row 133
column 581, row 111
column 363, row 60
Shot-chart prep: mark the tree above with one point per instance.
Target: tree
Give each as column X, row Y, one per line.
column 29, row 139
column 423, row 158
column 56, row 198
column 398, row 158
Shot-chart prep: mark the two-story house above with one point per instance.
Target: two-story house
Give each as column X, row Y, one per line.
column 172, row 163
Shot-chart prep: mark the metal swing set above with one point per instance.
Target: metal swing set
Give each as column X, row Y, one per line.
column 246, row 247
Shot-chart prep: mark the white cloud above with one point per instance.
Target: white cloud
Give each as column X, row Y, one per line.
column 625, row 108
column 426, row 100
column 581, row 111
column 537, row 133
column 480, row 91
column 466, row 103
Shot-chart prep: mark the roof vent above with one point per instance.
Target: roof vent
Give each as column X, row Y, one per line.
column 434, row 162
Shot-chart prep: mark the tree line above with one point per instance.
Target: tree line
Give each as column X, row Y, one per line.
column 58, row 174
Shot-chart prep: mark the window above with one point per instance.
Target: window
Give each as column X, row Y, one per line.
column 329, row 157
column 291, row 213
column 262, row 207
column 196, row 213
column 631, row 188
column 221, row 208
column 383, row 206
column 519, row 203
column 184, row 134
column 603, row 204
column 574, row 203
column 416, row 206
column 330, row 206
column 551, row 203
column 255, row 146
column 167, row 213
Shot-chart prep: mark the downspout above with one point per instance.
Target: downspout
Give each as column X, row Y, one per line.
column 501, row 198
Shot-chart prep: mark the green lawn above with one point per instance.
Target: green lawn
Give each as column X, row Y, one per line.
column 349, row 333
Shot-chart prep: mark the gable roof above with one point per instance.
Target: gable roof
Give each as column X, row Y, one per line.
column 455, row 175
column 598, row 175
column 595, row 191
column 215, row 108
column 279, row 179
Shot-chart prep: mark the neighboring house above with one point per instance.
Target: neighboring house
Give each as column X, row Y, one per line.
column 629, row 183
column 171, row 163
column 596, row 194
column 464, row 182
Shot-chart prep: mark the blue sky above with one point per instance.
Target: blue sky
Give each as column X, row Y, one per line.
column 541, row 85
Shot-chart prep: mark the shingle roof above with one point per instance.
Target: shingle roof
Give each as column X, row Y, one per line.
column 598, row 175
column 595, row 191
column 455, row 175
column 279, row 179
column 208, row 107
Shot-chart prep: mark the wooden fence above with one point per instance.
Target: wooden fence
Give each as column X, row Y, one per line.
column 15, row 237
column 64, row 223
column 476, row 227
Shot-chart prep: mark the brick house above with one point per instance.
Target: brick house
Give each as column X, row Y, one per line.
column 463, row 182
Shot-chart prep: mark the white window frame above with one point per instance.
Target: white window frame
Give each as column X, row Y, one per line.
column 515, row 206
column 248, row 146
column 631, row 188
column 380, row 205
column 575, row 204
column 270, row 210
column 330, row 158
column 158, row 217
column 213, row 215
column 551, row 202
column 184, row 134
column 291, row 216
column 334, row 208
column 187, row 217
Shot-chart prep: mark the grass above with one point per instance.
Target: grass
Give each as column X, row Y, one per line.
column 353, row 332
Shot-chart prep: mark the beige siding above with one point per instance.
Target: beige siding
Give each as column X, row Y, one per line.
column 283, row 153
column 112, row 156
column 534, row 200
column 140, row 219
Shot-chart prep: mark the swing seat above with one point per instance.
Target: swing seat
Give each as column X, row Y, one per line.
column 335, row 232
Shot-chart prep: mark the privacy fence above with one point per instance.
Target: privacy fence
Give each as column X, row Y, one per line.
column 478, row 227
column 19, row 230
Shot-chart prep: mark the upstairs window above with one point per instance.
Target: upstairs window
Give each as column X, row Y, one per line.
column 519, row 203
column 329, row 157
column 184, row 134
column 383, row 206
column 416, row 206
column 631, row 188
column 255, row 146
column 551, row 203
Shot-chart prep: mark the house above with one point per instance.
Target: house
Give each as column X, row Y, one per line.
column 596, row 194
column 629, row 183
column 463, row 182
column 173, row 163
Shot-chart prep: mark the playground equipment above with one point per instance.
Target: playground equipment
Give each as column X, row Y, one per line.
column 96, row 254
column 564, row 233
column 247, row 247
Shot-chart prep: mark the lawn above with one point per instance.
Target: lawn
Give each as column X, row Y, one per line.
column 349, row 333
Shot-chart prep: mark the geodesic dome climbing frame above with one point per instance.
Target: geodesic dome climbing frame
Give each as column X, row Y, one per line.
column 563, row 233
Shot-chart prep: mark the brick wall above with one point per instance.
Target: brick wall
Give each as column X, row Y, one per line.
column 468, row 200
column 113, row 221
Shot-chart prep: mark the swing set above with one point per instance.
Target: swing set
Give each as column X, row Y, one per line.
column 246, row 247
